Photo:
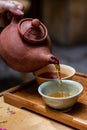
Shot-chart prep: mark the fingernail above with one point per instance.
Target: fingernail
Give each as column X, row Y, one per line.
column 19, row 12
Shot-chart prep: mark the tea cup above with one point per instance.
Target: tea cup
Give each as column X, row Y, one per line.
column 49, row 73
column 70, row 87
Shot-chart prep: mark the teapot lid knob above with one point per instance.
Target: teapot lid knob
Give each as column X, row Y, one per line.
column 32, row 30
column 35, row 22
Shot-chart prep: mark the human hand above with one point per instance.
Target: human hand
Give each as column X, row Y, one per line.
column 13, row 7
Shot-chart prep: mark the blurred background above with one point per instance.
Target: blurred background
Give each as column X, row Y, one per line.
column 66, row 21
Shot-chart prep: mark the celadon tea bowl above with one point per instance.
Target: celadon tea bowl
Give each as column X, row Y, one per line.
column 69, row 86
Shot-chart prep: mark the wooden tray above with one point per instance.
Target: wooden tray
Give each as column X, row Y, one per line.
column 26, row 96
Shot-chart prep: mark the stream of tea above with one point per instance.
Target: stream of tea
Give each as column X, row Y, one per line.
column 61, row 92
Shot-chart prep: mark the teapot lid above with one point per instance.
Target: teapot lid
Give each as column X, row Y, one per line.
column 32, row 30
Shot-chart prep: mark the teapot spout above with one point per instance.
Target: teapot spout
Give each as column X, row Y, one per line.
column 54, row 60
column 47, row 59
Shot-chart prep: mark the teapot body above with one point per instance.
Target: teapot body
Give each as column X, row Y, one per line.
column 22, row 55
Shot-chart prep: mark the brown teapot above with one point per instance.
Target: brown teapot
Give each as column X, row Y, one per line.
column 25, row 45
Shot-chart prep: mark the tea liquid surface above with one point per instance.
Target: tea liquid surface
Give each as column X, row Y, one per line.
column 59, row 95
column 51, row 75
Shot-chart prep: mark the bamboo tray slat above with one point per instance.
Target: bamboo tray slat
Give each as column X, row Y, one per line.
column 26, row 96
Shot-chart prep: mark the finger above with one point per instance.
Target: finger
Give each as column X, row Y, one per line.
column 17, row 4
column 15, row 7
column 16, row 11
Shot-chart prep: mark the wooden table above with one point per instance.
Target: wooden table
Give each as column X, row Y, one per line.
column 13, row 118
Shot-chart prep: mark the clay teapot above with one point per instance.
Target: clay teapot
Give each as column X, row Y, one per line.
column 25, row 45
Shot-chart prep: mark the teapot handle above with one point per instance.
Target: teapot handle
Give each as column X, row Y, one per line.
column 16, row 19
column 11, row 18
